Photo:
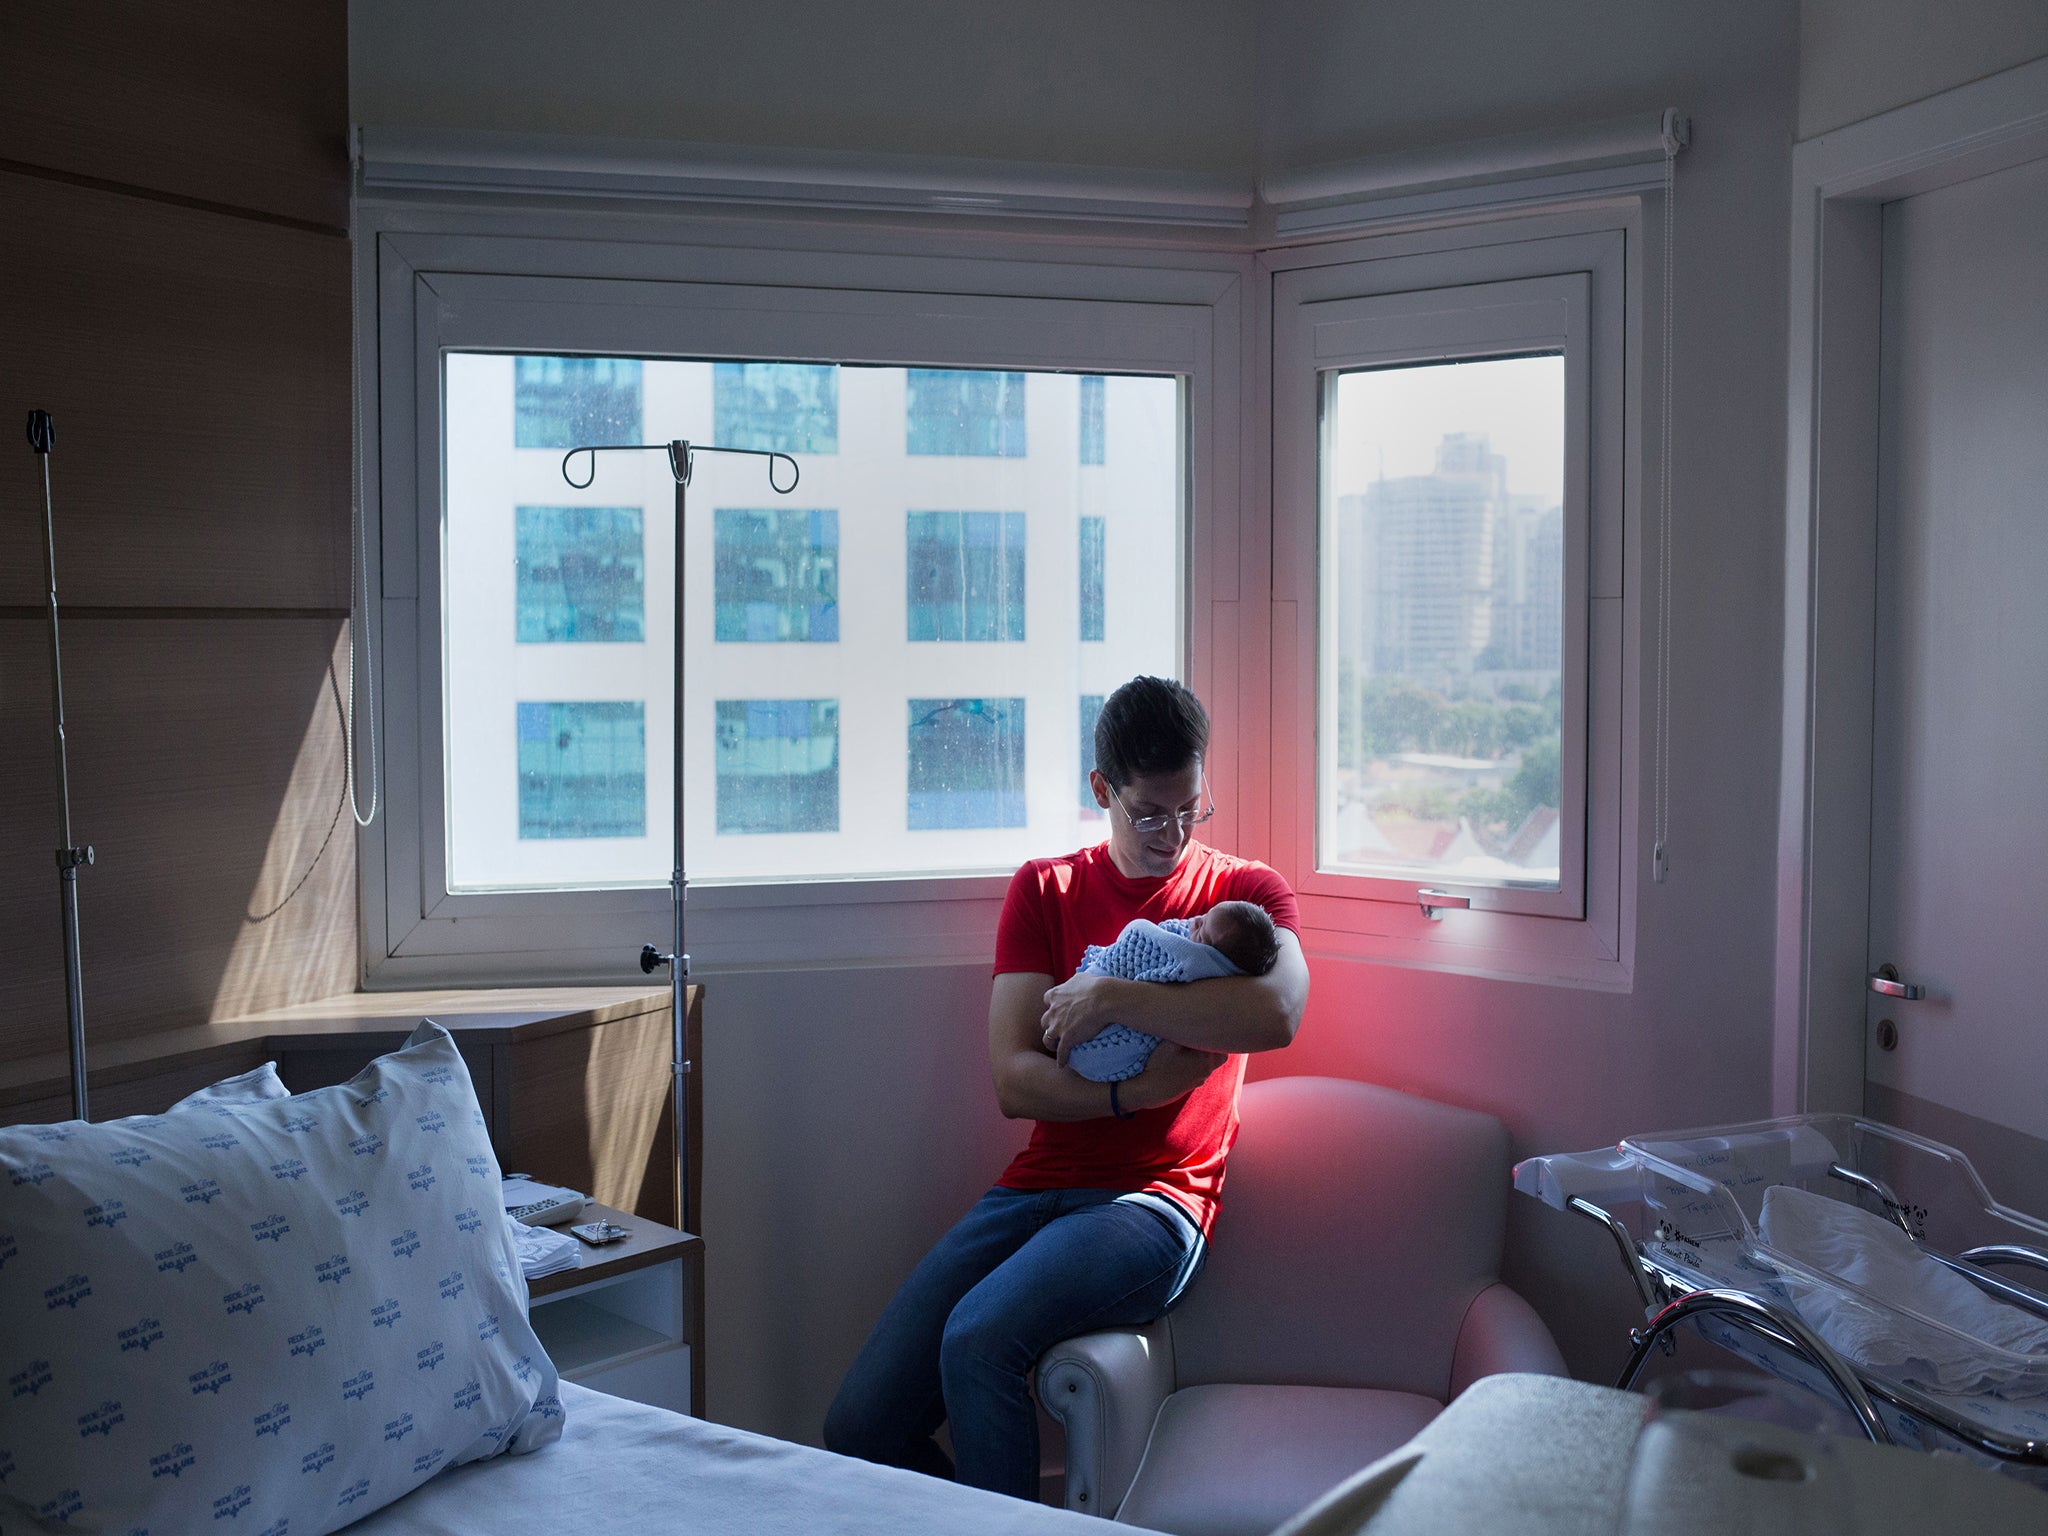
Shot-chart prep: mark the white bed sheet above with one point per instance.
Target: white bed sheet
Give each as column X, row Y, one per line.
column 630, row 1470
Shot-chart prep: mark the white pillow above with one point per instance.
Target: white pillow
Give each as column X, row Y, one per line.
column 251, row 1087
column 266, row 1317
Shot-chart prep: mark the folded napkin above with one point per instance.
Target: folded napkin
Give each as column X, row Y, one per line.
column 1891, row 1326
column 542, row 1250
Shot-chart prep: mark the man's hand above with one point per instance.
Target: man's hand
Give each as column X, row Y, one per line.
column 1172, row 1072
column 1077, row 1010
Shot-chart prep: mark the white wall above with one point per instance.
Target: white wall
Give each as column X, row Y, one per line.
column 1861, row 57
column 1155, row 83
column 848, row 1116
column 1569, row 1069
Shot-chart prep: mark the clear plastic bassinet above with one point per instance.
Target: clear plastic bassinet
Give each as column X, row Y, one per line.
column 1921, row 1287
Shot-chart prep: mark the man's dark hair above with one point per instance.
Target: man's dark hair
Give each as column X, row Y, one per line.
column 1150, row 725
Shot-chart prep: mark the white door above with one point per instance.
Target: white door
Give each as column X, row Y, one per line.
column 1959, row 814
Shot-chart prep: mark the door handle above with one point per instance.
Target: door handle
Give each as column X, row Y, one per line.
column 1885, row 983
column 1434, row 902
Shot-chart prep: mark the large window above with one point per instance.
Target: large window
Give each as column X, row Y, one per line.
column 1456, row 421
column 526, row 720
column 943, row 572
column 962, row 412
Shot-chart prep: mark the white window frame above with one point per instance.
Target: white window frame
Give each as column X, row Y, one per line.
column 1474, row 291
column 443, row 279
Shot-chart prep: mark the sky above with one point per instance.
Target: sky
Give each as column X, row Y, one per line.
column 1390, row 420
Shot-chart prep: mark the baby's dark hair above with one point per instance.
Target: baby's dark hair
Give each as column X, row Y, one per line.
column 1250, row 940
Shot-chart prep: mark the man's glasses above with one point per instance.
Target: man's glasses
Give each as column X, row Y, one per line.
column 1150, row 824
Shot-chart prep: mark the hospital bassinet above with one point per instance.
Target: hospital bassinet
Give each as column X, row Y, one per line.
column 1888, row 1307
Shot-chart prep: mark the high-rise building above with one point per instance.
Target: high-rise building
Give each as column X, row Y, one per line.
column 1431, row 562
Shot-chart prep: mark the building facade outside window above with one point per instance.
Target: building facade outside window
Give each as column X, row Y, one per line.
column 1093, row 545
column 580, row 574
column 778, row 765
column 776, row 407
column 966, row 763
column 559, row 402
column 1091, row 710
column 964, row 412
column 965, row 576
column 582, row 769
column 1094, row 420
column 777, row 575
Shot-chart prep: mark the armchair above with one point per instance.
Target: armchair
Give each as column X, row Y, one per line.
column 1352, row 1291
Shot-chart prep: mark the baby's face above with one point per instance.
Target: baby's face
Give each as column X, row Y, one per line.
column 1208, row 928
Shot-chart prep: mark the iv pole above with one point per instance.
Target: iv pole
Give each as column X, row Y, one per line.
column 42, row 435
column 682, row 458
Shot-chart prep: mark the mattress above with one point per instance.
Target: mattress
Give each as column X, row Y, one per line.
column 631, row 1470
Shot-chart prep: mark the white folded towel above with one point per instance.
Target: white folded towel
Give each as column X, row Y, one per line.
column 542, row 1250
column 1834, row 1238
column 1144, row 951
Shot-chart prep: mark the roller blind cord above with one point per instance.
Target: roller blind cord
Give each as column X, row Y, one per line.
column 359, row 529
column 1676, row 136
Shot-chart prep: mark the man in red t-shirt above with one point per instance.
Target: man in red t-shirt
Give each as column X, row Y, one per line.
column 1103, row 1219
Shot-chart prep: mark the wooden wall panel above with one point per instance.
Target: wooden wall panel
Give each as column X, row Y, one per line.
column 590, row 1109
column 206, row 769
column 197, row 367
column 239, row 102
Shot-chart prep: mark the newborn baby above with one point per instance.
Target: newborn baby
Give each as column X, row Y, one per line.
column 1232, row 938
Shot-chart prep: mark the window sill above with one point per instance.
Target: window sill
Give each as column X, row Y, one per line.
column 1502, row 946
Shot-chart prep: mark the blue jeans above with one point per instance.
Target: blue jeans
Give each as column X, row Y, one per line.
column 1022, row 1270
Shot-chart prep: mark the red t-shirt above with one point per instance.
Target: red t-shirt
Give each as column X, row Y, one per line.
column 1055, row 909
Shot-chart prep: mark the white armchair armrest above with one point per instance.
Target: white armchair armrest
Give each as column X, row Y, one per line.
column 1502, row 1333
column 1105, row 1389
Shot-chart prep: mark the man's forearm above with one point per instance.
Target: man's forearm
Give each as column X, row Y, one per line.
column 1032, row 1086
column 1227, row 1013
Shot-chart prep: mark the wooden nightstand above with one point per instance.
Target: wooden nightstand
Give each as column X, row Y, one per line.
column 629, row 1319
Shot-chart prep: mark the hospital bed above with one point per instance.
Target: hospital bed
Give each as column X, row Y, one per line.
column 1839, row 1253
column 285, row 1315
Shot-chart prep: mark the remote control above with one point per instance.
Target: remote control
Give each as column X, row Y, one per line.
column 551, row 1212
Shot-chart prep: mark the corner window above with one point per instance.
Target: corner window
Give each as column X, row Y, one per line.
column 1443, row 527
column 1449, row 436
